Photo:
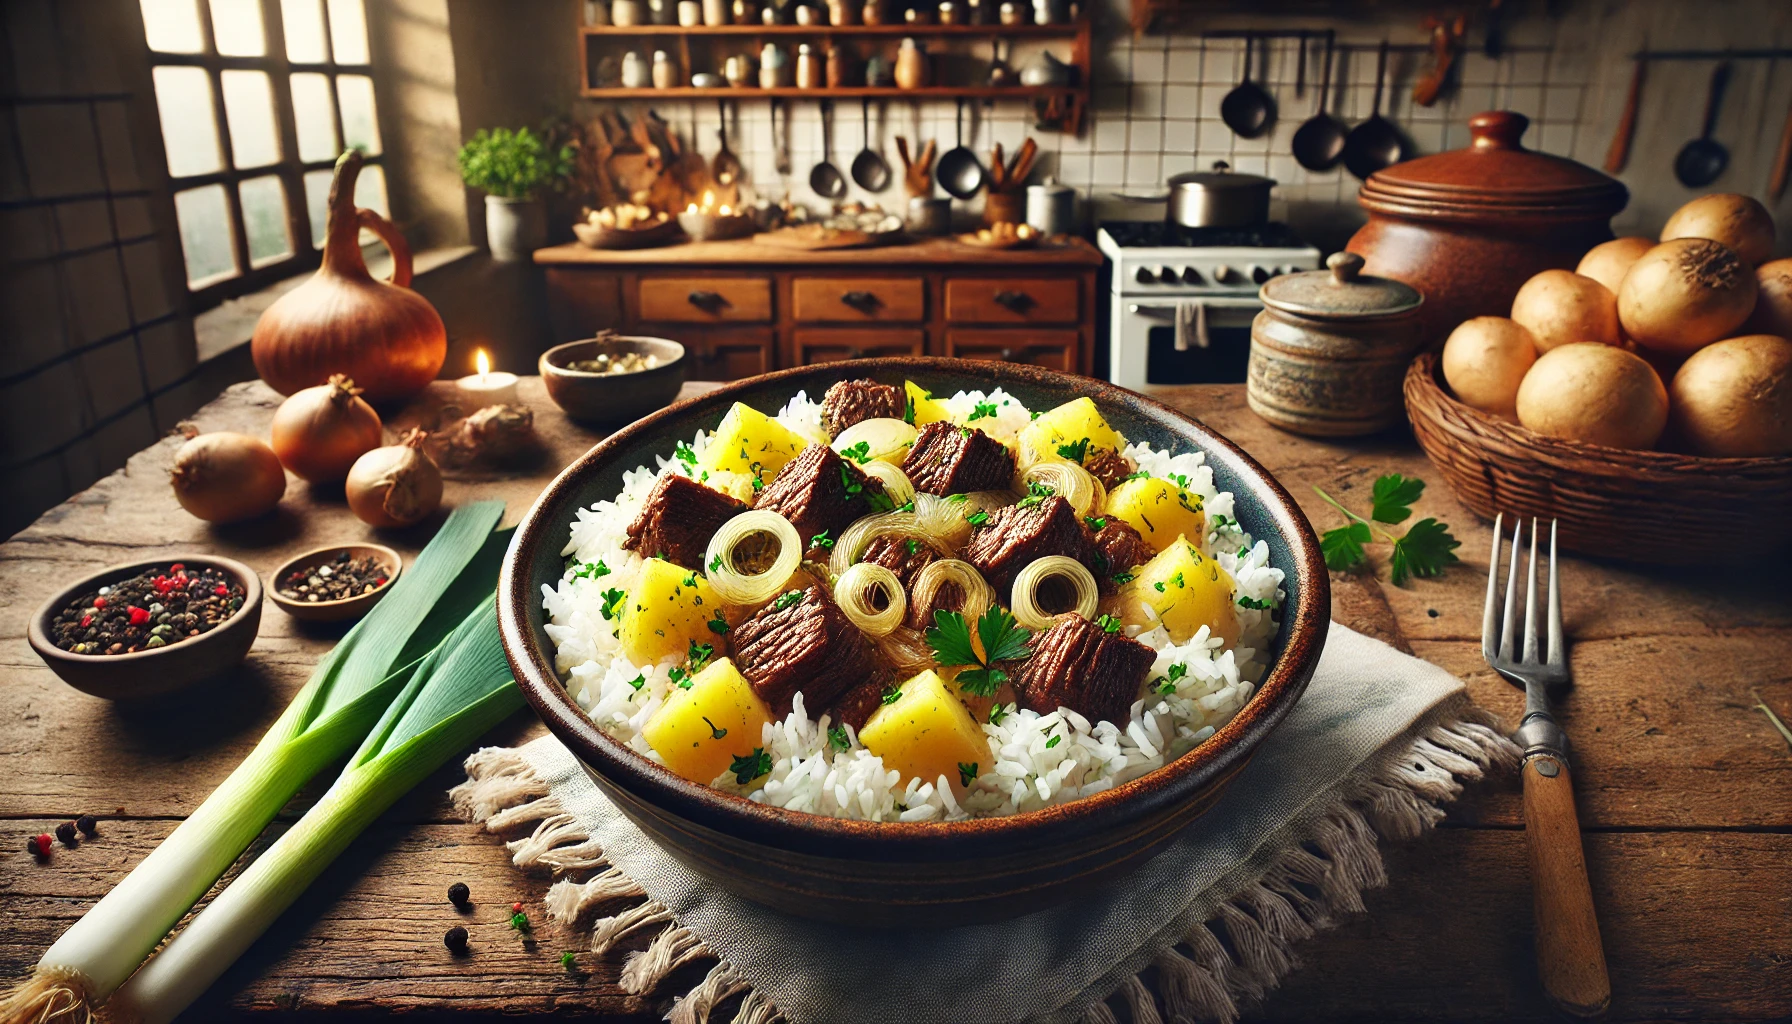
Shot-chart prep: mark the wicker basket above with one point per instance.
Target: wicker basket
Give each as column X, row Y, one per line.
column 1656, row 507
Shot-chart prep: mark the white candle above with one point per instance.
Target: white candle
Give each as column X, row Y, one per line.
column 487, row 387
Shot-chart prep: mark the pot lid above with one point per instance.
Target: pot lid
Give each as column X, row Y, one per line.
column 1220, row 178
column 1494, row 175
column 1051, row 187
column 1340, row 292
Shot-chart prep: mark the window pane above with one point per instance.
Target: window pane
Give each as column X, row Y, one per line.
column 249, row 106
column 172, row 26
column 370, row 192
column 264, row 220
column 205, row 234
column 315, row 116
column 303, row 21
column 348, row 31
column 359, row 129
column 236, row 28
column 184, row 101
column 317, row 204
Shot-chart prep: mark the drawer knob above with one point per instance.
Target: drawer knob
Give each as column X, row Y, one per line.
column 1014, row 302
column 1008, row 354
column 709, row 302
column 864, row 302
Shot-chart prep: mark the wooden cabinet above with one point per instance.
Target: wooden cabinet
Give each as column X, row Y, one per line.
column 742, row 308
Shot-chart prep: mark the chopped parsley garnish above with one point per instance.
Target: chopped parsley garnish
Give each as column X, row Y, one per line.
column 591, row 570
column 1166, row 683
column 837, row 738
column 1109, row 624
column 1221, row 521
column 1036, row 493
column 1261, row 604
column 1425, row 549
column 1178, row 479
column 908, row 410
column 891, row 695
column 859, row 453
column 1096, row 523
column 715, row 563
column 907, row 506
column 967, row 773
column 1074, row 451
column 1003, row 639
column 748, row 767
column 983, row 410
column 880, row 502
column 715, row 733
column 976, row 517
column 612, row 606
column 680, row 677
column 718, row 625
column 758, row 475
column 847, row 481
column 958, row 499
column 698, row 655
column 786, row 599
column 1049, row 744
column 1033, row 416
column 690, row 579
column 639, row 681
column 997, row 713
column 1182, row 499
column 822, row 540
column 685, row 454
column 964, row 432
column 911, row 545
column 1139, row 475
column 1122, row 577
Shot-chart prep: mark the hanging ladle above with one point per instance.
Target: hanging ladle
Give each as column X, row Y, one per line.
column 826, row 180
column 869, row 168
column 1247, row 109
column 1701, row 161
column 725, row 168
column 1319, row 141
column 960, row 172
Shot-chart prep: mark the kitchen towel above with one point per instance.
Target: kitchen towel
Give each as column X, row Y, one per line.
column 1373, row 749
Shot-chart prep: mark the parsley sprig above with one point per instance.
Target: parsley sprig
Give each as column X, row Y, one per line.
column 1425, row 549
column 748, row 767
column 1074, row 451
column 1003, row 639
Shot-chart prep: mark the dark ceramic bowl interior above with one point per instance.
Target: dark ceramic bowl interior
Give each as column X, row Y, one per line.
column 345, row 608
column 931, row 873
column 612, row 397
column 144, row 675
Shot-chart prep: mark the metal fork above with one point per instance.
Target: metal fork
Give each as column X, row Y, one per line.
column 1570, row 958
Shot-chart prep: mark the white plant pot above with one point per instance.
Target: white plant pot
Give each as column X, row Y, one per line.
column 514, row 228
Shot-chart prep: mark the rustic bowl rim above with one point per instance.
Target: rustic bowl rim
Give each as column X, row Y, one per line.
column 549, row 368
column 1306, row 623
column 310, row 609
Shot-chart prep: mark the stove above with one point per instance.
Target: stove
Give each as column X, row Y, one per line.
column 1183, row 298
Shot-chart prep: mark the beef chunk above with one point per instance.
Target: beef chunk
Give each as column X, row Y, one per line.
column 1109, row 466
column 904, row 556
column 807, row 645
column 678, row 518
column 856, row 706
column 954, row 460
column 1020, row 534
column 1118, row 548
column 819, row 491
column 1075, row 664
column 854, row 401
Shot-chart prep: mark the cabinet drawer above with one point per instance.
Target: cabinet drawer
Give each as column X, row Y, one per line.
column 582, row 302
column 705, row 300
column 1054, row 349
column 827, row 346
column 851, row 300
column 725, row 354
column 1013, row 300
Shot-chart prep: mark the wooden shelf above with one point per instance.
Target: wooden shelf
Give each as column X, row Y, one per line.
column 686, row 92
column 1067, row 30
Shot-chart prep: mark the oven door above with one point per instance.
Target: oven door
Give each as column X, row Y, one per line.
column 1150, row 324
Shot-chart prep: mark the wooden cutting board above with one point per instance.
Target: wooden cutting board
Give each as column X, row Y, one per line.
column 811, row 237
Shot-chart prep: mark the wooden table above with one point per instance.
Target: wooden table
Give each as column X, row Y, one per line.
column 1685, row 790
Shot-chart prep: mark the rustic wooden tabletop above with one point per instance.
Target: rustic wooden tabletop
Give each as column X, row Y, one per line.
column 1685, row 789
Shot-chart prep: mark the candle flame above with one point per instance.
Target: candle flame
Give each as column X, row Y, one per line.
column 709, row 200
column 725, row 211
column 691, row 208
column 482, row 361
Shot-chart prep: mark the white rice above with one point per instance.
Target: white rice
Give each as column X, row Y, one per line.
column 1038, row 760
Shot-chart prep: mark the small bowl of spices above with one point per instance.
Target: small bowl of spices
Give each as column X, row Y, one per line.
column 148, row 629
column 335, row 584
column 613, row 378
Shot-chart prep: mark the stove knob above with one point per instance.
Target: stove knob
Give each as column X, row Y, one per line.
column 1166, row 274
column 1191, row 276
column 1145, row 276
column 1259, row 275
column 1223, row 274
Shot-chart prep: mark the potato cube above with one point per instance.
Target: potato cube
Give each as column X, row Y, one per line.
column 1187, row 590
column 928, row 409
column 749, row 441
column 926, row 733
column 669, row 609
column 705, row 725
column 1160, row 510
column 1066, row 425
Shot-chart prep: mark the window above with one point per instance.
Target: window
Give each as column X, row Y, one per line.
column 257, row 99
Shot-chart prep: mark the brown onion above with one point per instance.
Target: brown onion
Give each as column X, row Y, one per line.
column 396, row 485
column 1738, row 221
column 224, row 477
column 1685, row 294
column 1773, row 305
column 382, row 334
column 319, row 432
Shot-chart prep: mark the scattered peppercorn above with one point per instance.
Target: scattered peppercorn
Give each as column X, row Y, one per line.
column 66, row 833
column 516, row 908
column 153, row 609
column 568, row 961
column 89, row 825
column 343, row 577
column 456, row 940
column 39, row 845
column 458, row 894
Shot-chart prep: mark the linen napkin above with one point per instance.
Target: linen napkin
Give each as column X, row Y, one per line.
column 1377, row 743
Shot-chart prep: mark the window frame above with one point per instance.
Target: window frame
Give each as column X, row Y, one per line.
column 289, row 168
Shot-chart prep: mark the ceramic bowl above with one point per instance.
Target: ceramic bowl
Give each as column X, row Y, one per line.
column 612, row 397
column 140, row 676
column 345, row 608
column 924, row 874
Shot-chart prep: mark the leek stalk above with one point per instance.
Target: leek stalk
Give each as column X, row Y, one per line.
column 460, row 690
column 348, row 691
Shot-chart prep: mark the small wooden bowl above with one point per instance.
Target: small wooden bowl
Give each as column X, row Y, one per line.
column 612, row 397
column 143, row 675
column 344, row 608
column 597, row 236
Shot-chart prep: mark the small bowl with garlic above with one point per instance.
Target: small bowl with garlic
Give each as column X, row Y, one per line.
column 613, row 378
column 626, row 226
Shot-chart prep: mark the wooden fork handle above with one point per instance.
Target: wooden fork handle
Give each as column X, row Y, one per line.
column 1570, row 958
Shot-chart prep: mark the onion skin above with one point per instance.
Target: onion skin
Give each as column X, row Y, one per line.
column 1737, row 221
column 1733, row 399
column 1594, row 393
column 319, row 432
column 1485, row 359
column 226, row 478
column 1560, row 308
column 1608, row 262
column 1773, row 303
column 396, row 485
column 1685, row 294
column 384, row 335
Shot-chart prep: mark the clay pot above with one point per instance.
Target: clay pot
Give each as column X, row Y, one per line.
column 1468, row 227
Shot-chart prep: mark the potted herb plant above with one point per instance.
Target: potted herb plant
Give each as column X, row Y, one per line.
column 512, row 167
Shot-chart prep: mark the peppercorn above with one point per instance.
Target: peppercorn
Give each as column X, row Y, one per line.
column 66, row 833
column 516, row 908
column 456, row 940
column 89, row 825
column 458, row 894
column 40, row 845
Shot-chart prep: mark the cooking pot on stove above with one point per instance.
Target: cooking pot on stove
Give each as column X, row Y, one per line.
column 1220, row 198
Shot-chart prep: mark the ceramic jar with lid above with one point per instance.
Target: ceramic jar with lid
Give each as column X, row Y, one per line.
column 635, row 71
column 1330, row 349
column 911, row 64
column 665, row 74
column 628, row 13
column 774, row 67
column 808, row 67
column 1468, row 227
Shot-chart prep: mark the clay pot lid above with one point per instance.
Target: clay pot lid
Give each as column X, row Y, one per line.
column 1493, row 175
column 1340, row 292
